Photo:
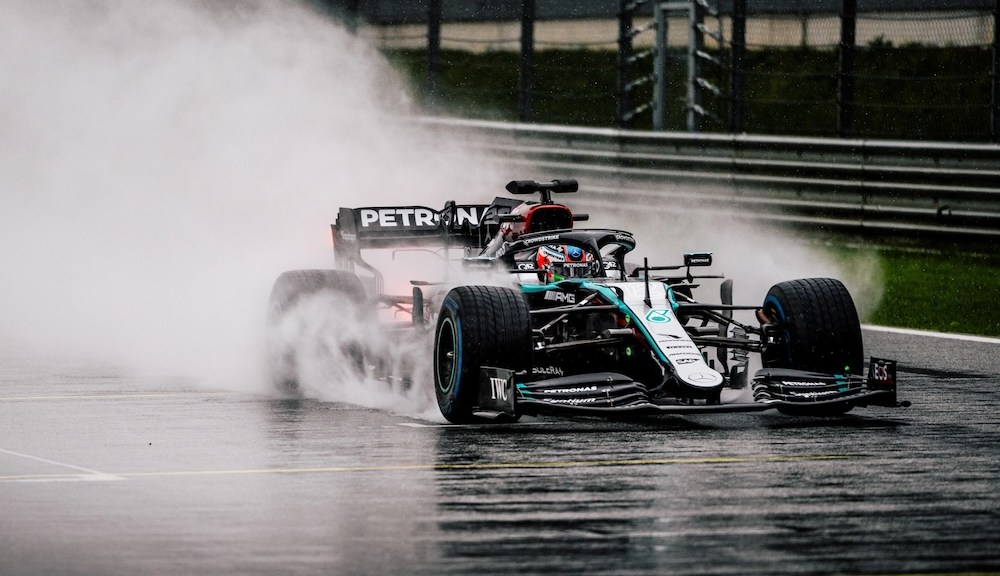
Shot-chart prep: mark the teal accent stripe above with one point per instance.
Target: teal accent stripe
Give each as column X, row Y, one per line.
column 671, row 298
column 612, row 297
column 842, row 385
column 536, row 288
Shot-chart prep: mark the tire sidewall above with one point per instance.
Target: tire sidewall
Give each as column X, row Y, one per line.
column 479, row 326
column 450, row 383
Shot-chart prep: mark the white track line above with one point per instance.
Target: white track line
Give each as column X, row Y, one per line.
column 929, row 334
column 88, row 474
column 115, row 396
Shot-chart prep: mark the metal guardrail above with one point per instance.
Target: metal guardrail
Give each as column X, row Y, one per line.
column 909, row 189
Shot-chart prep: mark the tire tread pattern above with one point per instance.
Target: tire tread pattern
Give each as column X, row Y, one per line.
column 495, row 331
column 822, row 330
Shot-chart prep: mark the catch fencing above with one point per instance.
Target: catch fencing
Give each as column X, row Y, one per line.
column 888, row 69
column 903, row 189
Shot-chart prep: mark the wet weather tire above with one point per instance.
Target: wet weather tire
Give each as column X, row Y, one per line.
column 478, row 326
column 818, row 327
column 289, row 290
column 818, row 331
column 294, row 284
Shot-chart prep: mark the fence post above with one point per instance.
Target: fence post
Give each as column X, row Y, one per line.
column 845, row 78
column 995, row 112
column 625, row 54
column 737, row 88
column 353, row 14
column 696, row 45
column 433, row 49
column 660, row 67
column 526, row 78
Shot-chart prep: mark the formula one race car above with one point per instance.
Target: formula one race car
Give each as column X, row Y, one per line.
column 566, row 324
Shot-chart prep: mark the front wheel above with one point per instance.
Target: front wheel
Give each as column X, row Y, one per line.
column 817, row 326
column 816, row 329
column 478, row 326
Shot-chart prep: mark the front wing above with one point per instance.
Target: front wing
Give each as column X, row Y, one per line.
column 613, row 394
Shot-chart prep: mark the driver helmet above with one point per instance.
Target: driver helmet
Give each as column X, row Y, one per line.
column 564, row 261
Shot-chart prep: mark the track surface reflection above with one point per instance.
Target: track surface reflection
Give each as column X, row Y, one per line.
column 102, row 474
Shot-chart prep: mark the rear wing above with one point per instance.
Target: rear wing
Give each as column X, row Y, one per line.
column 400, row 226
column 456, row 226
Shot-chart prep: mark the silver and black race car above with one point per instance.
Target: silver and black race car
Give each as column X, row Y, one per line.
column 574, row 327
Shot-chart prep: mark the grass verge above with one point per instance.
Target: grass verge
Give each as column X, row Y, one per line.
column 940, row 291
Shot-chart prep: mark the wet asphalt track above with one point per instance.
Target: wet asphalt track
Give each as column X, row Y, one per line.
column 105, row 475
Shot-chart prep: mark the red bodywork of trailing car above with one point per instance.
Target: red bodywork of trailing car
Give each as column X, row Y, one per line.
column 537, row 218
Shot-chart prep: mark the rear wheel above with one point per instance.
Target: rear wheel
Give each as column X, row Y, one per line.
column 291, row 289
column 478, row 326
column 294, row 284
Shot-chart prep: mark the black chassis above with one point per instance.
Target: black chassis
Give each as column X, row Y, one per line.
column 595, row 349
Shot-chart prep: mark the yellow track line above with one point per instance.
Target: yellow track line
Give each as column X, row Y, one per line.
column 447, row 467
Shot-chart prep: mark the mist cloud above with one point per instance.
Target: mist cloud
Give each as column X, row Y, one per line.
column 162, row 162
